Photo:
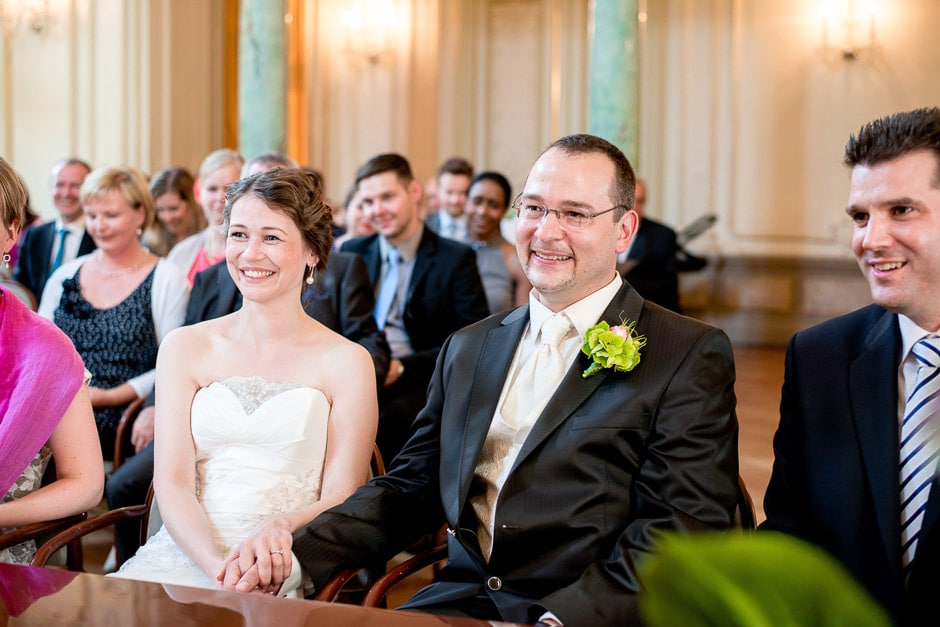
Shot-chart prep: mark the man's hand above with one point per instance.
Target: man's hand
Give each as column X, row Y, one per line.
column 262, row 561
column 142, row 432
column 395, row 370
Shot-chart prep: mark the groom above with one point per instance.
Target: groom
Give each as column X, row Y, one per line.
column 550, row 498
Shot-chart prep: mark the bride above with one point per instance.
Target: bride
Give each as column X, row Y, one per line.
column 269, row 414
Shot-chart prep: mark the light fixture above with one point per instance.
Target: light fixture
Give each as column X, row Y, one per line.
column 33, row 15
column 848, row 27
column 366, row 29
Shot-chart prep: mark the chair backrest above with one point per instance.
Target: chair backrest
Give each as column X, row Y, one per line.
column 75, row 533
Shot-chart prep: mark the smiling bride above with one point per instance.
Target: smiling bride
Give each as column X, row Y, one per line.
column 269, row 414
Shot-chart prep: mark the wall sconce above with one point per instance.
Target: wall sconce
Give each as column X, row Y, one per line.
column 34, row 15
column 367, row 25
column 849, row 27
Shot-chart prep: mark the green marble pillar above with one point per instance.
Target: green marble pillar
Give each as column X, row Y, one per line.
column 613, row 109
column 262, row 77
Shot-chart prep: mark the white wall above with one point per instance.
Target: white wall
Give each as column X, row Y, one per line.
column 745, row 116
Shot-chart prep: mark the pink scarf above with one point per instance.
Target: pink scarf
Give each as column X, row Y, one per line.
column 40, row 373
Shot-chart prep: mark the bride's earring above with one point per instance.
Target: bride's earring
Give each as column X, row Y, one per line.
column 309, row 279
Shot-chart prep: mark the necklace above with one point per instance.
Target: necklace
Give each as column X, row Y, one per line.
column 114, row 274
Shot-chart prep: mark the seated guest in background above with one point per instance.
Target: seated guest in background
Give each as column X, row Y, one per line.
column 649, row 265
column 357, row 222
column 117, row 303
column 267, row 161
column 178, row 214
column 504, row 281
column 46, row 247
column 197, row 252
column 268, row 414
column 427, row 287
column 453, row 181
column 552, row 484
column 855, row 468
column 44, row 407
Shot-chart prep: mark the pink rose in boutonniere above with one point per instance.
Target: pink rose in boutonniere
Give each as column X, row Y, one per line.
column 612, row 347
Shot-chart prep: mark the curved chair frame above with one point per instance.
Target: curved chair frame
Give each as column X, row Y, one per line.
column 76, row 532
column 34, row 531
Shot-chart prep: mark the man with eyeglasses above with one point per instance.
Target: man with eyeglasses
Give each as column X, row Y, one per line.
column 552, row 481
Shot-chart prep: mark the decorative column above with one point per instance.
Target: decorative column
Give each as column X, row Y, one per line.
column 613, row 109
column 262, row 77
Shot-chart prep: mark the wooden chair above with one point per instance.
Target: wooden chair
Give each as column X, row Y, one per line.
column 39, row 530
column 122, row 435
column 74, row 533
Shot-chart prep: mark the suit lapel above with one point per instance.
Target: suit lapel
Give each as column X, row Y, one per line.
column 490, row 374
column 574, row 389
column 873, row 396
column 424, row 259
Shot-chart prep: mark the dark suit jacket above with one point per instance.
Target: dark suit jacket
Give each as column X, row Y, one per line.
column 612, row 460
column 445, row 294
column 341, row 299
column 835, row 476
column 32, row 265
column 651, row 264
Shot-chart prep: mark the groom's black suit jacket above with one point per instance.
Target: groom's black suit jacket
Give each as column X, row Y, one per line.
column 612, row 460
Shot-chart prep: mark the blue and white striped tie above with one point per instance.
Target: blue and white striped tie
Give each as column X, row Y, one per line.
column 919, row 444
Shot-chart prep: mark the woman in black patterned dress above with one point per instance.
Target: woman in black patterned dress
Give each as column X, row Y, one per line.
column 118, row 302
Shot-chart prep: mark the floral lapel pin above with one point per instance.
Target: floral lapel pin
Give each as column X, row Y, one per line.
column 612, row 347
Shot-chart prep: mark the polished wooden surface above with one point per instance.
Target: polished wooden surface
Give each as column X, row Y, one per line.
column 45, row 596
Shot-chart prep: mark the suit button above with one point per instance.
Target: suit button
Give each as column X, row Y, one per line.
column 494, row 583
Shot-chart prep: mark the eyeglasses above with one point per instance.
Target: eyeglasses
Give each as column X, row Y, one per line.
column 571, row 218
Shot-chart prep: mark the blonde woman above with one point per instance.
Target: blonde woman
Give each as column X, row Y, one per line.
column 197, row 252
column 118, row 302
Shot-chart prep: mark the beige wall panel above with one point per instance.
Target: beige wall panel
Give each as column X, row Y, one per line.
column 744, row 115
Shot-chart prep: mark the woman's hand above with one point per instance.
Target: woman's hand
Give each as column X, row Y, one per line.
column 262, row 561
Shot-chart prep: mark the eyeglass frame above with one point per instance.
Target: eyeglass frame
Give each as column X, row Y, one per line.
column 588, row 216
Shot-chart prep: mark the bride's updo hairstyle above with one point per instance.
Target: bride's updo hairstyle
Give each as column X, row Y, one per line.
column 296, row 193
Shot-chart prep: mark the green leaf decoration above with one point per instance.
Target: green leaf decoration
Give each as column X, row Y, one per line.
column 762, row 579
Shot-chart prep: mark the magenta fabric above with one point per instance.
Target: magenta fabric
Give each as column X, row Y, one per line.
column 40, row 373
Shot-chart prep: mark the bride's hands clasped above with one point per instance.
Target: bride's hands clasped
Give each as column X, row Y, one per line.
column 262, row 562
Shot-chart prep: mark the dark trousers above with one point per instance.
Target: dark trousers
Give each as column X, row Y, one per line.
column 128, row 485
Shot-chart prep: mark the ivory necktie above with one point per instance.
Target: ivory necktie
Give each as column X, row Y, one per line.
column 63, row 233
column 389, row 289
column 919, row 445
column 543, row 371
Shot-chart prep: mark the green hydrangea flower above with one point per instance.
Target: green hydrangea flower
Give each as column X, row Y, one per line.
column 612, row 347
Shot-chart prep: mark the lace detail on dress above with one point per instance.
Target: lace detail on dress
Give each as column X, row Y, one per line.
column 252, row 392
column 28, row 482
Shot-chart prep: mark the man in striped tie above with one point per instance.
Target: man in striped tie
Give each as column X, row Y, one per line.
column 856, row 451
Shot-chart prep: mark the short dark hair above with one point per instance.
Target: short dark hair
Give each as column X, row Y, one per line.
column 623, row 187
column 496, row 177
column 455, row 165
column 386, row 162
column 894, row 136
column 296, row 193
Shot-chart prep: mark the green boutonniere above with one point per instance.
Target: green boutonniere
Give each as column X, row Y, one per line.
column 612, row 347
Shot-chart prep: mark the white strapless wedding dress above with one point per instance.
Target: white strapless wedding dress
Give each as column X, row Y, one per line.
column 260, row 449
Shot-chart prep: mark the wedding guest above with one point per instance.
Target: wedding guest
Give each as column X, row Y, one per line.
column 197, row 252
column 504, row 280
column 46, row 247
column 178, row 214
column 266, row 412
column 117, row 303
column 45, row 410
